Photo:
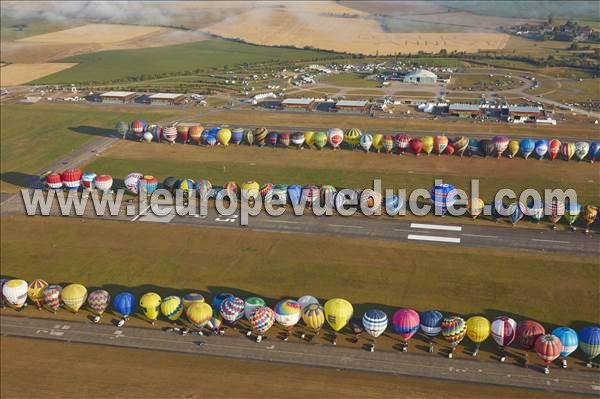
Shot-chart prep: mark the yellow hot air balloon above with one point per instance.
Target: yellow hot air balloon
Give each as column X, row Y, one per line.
column 191, row 298
column 377, row 141
column 478, row 330
column 73, row 296
column 588, row 215
column 352, row 136
column 35, row 292
column 513, row 148
column 309, row 138
column 150, row 304
column 224, row 135
column 313, row 316
column 475, row 207
column 171, row 307
column 250, row 191
column 199, row 314
column 427, row 144
column 338, row 312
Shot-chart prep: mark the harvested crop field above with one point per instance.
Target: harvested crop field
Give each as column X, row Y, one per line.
column 17, row 74
column 94, row 33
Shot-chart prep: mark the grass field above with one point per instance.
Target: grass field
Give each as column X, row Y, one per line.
column 483, row 82
column 118, row 65
column 574, row 91
column 349, row 80
column 80, row 361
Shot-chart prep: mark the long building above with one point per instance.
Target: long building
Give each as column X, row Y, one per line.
column 351, row 106
column 166, row 99
column 118, row 97
column 298, row 104
column 465, row 110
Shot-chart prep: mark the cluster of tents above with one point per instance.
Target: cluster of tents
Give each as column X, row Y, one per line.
column 498, row 146
column 226, row 310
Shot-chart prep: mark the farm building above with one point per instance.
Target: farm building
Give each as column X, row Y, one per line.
column 465, row 110
column 524, row 113
column 118, row 97
column 166, row 99
column 351, row 106
column 298, row 104
column 420, row 76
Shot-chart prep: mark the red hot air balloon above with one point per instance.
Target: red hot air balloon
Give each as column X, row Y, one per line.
column 553, row 148
column 439, row 144
column 183, row 132
column 403, row 142
column 138, row 127
column 416, row 145
column 528, row 332
column 104, row 183
column 54, row 181
column 548, row 348
column 71, row 178
column 450, row 149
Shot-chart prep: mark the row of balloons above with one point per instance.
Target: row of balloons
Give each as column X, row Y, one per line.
column 228, row 309
column 335, row 137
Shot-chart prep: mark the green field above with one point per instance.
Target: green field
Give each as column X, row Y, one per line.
column 119, row 65
column 574, row 91
column 349, row 80
column 483, row 82
column 14, row 29
column 580, row 10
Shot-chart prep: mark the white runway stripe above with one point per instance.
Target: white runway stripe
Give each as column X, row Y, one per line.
column 344, row 225
column 435, row 227
column 478, row 235
column 434, row 238
column 553, row 241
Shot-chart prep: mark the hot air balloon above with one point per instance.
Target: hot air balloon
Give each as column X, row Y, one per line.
column 370, row 201
column 266, row 192
column 337, row 313
column 500, row 145
column 224, row 135
column 439, row 144
column 594, row 149
column 183, row 132
column 294, row 193
column 487, row 147
column 287, row 313
column 320, row 139
column 195, row 133
column 393, row 205
column 98, row 301
column 554, row 210
column 541, row 148
column 237, row 135
column 427, row 144
column 569, row 340
column 588, row 215
column 170, row 184
column 261, row 320
column 272, row 138
column 473, row 147
column 124, row 304
column 169, row 133
column 280, row 193
column 450, row 149
column 388, row 144
column 306, row 300
column 138, row 127
column 122, row 128
column 503, row 332
column 535, row 209
column 252, row 303
column 352, row 136
column 335, row 137
column 260, row 135
column 71, row 178
column 191, row 298
column 553, row 148
column 366, row 141
column 150, row 304
column 148, row 183
column 377, row 141
column 310, row 194
column 132, row 182
column 309, row 138
column 51, row 295
column 171, row 307
column 249, row 137
column 406, row 323
column 498, row 209
column 218, row 300
column 157, row 132
column 232, row 309
column 204, row 187
column 453, row 330
column 327, row 194
column 402, row 142
column 460, row 145
column 313, row 316
column 548, row 348
column 104, row 183
column 581, row 150
column 589, row 342
column 87, row 180
column 572, row 211
column 443, row 196
column 249, row 191
column 199, row 314
column 297, row 139
column 356, row 326
column 2, row 282
column 231, row 189
column 375, row 322
column 73, row 296
column 478, row 330
column 35, row 292
column 513, row 148
column 528, row 331
column 516, row 211
column 416, row 146
column 475, row 207
column 567, row 150
column 54, row 181
column 527, row 147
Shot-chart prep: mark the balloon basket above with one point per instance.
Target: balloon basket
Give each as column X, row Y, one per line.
column 546, row 370
column 450, row 354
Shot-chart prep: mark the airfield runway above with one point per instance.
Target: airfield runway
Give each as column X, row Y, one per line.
column 275, row 350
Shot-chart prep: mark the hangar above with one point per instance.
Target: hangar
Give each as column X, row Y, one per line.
column 420, row 76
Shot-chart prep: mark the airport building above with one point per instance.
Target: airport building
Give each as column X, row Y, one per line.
column 524, row 113
column 118, row 97
column 465, row 110
column 298, row 104
column 351, row 106
column 166, row 99
column 420, row 76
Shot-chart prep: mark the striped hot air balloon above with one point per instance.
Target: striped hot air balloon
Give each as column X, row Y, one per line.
column 313, row 316
column 284, row 140
column 252, row 303
column 52, row 300
column 582, row 148
column 148, row 183
column 287, row 314
column 320, row 140
column 232, row 309
column 260, row 135
column 589, row 342
column 541, row 148
column 204, row 188
column 138, row 127
column 169, row 133
column 460, row 145
column 473, row 147
column 132, row 182
column 327, row 194
column 454, row 329
column 171, row 307
column 567, row 150
column 249, row 137
column 35, row 292
column 569, row 340
column 71, row 178
column 554, row 148
column 366, row 141
column 352, row 137
column 237, row 135
column 548, row 348
column 98, row 301
column 375, row 322
column 310, row 193
column 54, row 181
column 406, row 323
column 388, row 144
column 192, row 297
column 266, row 192
column 402, row 142
column 297, row 139
column 439, row 144
column 73, row 297
column 503, row 332
column 195, row 133
column 443, row 196
column 555, row 211
column 261, row 320
column 156, row 132
column 528, row 331
column 500, row 145
column 272, row 138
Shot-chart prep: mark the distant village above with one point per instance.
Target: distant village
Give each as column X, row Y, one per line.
column 568, row 32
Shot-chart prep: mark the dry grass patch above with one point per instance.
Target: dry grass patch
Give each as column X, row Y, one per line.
column 18, row 74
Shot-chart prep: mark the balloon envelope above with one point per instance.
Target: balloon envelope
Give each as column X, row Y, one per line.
column 124, row 303
column 453, row 329
column 306, row 300
column 478, row 329
column 568, row 338
column 338, row 312
column 528, row 331
column 406, row 323
column 252, row 303
column 589, row 341
column 150, row 304
column 15, row 293
column 199, row 314
column 35, row 292
column 431, row 321
column 98, row 301
column 261, row 319
column 313, row 316
column 527, row 146
column 287, row 312
column 375, row 322
column 548, row 347
column 73, row 296
column 503, row 330
column 171, row 307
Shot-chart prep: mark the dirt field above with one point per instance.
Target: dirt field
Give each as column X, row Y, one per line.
column 17, row 74
column 79, row 376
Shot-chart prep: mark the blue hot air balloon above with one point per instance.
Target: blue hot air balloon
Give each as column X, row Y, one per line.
column 589, row 342
column 569, row 340
column 516, row 211
column 431, row 325
column 294, row 193
column 237, row 135
column 593, row 153
column 541, row 148
column 473, row 147
column 218, row 300
column 497, row 207
column 124, row 303
column 443, row 196
column 393, row 205
column 527, row 146
column 535, row 209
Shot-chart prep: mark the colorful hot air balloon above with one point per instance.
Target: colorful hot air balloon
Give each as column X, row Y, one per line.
column 51, row 295
column 460, row 145
column 169, row 133
column 535, row 209
column 122, row 128
column 589, row 342
column 569, row 340
column 450, row 149
column 266, row 192
column 297, row 139
column 148, row 183
column 252, row 303
column 335, row 137
column 439, row 144
column 237, row 135
column 402, row 142
column 71, row 178
column 352, row 136
column 416, row 146
column 150, row 304
column 370, row 201
column 588, row 215
column 487, row 147
column 528, row 331
column 366, row 141
column 375, row 322
column 503, row 332
column 124, row 304
column 527, row 146
column 199, row 314
column 138, row 127
column 377, row 141
column 294, row 194
column 427, row 144
column 473, row 147
column 249, row 191
column 513, row 148
column 567, row 150
column 313, row 316
column 309, row 138
column 73, row 296
column 499, row 209
column 320, row 139
column 35, row 292
column 260, row 135
column 541, row 148
column 453, row 330
column 171, row 307
column 54, row 181
column 337, row 313
column 261, row 320
column 132, row 182
column 87, row 180
column 218, row 300
column 516, row 211
column 406, row 323
column 191, row 298
column 393, row 205
column 157, row 132
column 582, row 148
column 15, row 293
column 594, row 150
column 204, row 188
column 104, row 183
column 475, row 207
column 548, row 348
column 388, row 144
column 310, row 194
column 554, row 210
column 306, row 300
column 443, row 196
column 287, row 313
column 280, row 193
column 500, row 145
column 572, row 211
column 249, row 137
column 2, row 282
column 272, row 138
column 232, row 309
column 183, row 133
column 98, row 301
column 195, row 133
column 327, row 195
column 478, row 330
column 553, row 148
column 224, row 135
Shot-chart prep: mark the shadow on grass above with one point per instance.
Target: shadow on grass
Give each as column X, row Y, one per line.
column 94, row 131
column 19, row 179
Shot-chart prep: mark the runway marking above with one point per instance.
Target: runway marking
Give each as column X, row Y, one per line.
column 478, row 235
column 345, row 225
column 403, row 230
column 596, row 387
column 434, row 238
column 281, row 221
column 553, row 241
column 435, row 227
